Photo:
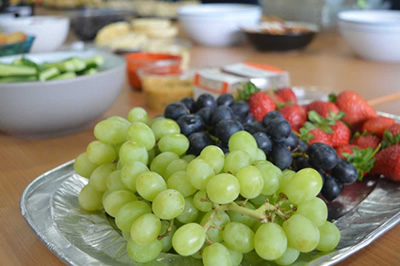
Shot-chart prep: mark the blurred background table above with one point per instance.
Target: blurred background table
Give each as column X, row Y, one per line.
column 328, row 64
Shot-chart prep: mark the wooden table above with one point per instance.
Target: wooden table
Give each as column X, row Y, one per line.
column 328, row 63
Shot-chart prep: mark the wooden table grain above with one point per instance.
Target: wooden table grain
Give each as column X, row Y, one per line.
column 328, row 64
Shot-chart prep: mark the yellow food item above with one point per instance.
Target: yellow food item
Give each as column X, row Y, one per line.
column 144, row 24
column 3, row 38
column 161, row 91
column 128, row 41
column 16, row 37
column 107, row 34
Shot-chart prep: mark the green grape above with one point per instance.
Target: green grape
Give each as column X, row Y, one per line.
column 163, row 127
column 315, row 210
column 201, row 201
column 329, row 237
column 161, row 162
column 214, row 156
column 271, row 175
column 99, row 176
column 116, row 199
column 111, row 131
column 117, row 148
column 83, row 166
column 270, row 241
column 301, row 233
column 243, row 141
column 253, row 258
column 167, row 237
column 223, row 188
column 257, row 225
column 235, row 161
column 152, row 154
column 175, row 166
column 114, row 181
column 175, row 142
column 258, row 201
column 240, row 218
column 138, row 114
column 284, row 180
column 190, row 213
column 220, row 219
column 132, row 151
column 289, row 256
column 126, row 235
column 99, row 152
column 188, row 239
column 303, row 186
column 168, row 204
column 238, row 237
column 144, row 253
column 236, row 257
column 145, row 229
column 141, row 133
column 251, row 182
column 216, row 255
column 155, row 119
column 189, row 157
column 128, row 213
column 260, row 156
column 90, row 199
column 130, row 171
column 105, row 194
column 180, row 182
column 199, row 172
column 119, row 119
column 149, row 184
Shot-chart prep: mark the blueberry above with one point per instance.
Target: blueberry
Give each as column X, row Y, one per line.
column 301, row 163
column 322, row 155
column 254, row 127
column 225, row 99
column 271, row 116
column 240, row 108
column 302, row 145
column 205, row 100
column 206, row 113
column 280, row 156
column 332, row 187
column 175, row 110
column 190, row 123
column 221, row 113
column 292, row 141
column 198, row 141
column 345, row 172
column 245, row 120
column 224, row 148
column 279, row 129
column 263, row 142
column 226, row 128
column 190, row 104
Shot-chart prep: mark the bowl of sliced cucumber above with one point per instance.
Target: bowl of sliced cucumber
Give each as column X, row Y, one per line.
column 57, row 93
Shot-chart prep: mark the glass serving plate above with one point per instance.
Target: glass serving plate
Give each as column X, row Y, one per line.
column 363, row 212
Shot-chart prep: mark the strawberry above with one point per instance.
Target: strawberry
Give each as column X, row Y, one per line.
column 368, row 141
column 388, row 163
column 311, row 134
column 322, row 108
column 287, row 95
column 344, row 149
column 341, row 134
column 356, row 109
column 377, row 125
column 261, row 104
column 296, row 116
column 391, row 136
column 394, row 129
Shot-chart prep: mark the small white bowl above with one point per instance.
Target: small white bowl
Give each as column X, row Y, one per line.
column 59, row 107
column 218, row 24
column 372, row 34
column 50, row 31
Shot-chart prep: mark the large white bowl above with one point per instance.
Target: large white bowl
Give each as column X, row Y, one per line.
column 218, row 24
column 372, row 34
column 62, row 106
column 50, row 31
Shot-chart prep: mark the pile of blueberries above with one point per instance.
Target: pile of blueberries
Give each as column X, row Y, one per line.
column 207, row 121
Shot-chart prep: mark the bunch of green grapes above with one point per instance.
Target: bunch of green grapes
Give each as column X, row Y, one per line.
column 214, row 207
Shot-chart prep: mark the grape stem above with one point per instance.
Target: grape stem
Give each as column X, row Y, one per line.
column 299, row 154
column 171, row 224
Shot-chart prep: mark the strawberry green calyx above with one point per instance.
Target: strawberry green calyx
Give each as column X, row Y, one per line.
column 305, row 134
column 325, row 123
column 248, row 89
column 332, row 98
column 389, row 139
column 362, row 159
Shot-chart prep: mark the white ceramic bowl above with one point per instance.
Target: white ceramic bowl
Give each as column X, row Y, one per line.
column 372, row 34
column 50, row 31
column 218, row 24
column 40, row 109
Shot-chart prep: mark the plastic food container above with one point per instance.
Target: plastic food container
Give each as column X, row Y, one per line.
column 135, row 61
column 164, row 82
column 17, row 48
